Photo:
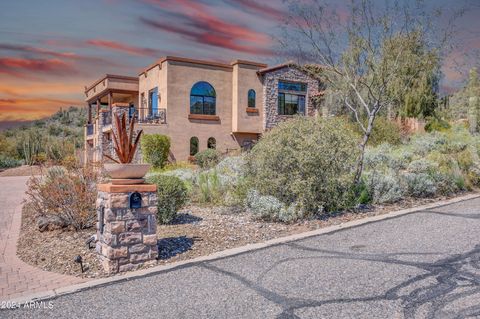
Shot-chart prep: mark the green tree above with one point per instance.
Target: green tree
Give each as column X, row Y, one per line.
column 366, row 55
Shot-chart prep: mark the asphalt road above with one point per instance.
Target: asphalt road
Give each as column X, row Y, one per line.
column 421, row 265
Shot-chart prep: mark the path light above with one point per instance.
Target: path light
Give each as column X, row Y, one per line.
column 78, row 259
column 90, row 241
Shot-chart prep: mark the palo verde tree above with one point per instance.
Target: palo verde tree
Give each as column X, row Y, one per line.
column 371, row 54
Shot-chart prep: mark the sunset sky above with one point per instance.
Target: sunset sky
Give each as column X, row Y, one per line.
column 51, row 49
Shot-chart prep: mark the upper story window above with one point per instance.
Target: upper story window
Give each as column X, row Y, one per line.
column 251, row 98
column 291, row 98
column 292, row 86
column 203, row 99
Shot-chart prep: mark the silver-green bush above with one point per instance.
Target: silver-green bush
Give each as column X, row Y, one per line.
column 308, row 162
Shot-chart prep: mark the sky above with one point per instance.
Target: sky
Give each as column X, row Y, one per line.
column 51, row 49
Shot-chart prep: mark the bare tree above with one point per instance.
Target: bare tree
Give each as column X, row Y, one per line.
column 364, row 51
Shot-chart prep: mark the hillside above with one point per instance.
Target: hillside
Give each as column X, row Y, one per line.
column 48, row 140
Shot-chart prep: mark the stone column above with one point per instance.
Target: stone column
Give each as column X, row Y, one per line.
column 127, row 237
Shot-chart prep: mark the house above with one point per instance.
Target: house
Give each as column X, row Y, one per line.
column 198, row 104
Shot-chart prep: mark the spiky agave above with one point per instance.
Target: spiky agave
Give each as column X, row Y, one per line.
column 125, row 147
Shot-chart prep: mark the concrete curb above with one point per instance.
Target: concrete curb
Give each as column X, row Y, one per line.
column 231, row 252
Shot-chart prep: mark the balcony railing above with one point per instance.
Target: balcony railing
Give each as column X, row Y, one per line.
column 149, row 116
column 89, row 129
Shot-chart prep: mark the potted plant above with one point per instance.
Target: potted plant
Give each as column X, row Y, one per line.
column 125, row 146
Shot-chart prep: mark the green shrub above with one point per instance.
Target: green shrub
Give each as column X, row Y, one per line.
column 155, row 149
column 308, row 162
column 207, row 158
column 210, row 189
column 385, row 131
column 436, row 124
column 172, row 195
column 9, row 162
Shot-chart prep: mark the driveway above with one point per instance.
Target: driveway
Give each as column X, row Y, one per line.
column 421, row 265
column 16, row 277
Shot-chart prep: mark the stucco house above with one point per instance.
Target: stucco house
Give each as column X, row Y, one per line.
column 198, row 104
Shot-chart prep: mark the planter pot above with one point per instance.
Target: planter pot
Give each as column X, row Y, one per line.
column 127, row 173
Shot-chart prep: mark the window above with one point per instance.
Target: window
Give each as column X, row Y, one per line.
column 212, row 143
column 289, row 102
column 193, row 145
column 251, row 98
column 292, row 86
column 153, row 101
column 202, row 99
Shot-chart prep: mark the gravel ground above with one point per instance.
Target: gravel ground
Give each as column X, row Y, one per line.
column 197, row 231
column 23, row 170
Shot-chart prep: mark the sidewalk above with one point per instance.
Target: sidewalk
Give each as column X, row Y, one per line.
column 16, row 277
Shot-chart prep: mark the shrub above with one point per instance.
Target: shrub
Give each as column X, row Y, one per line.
column 383, row 187
column 306, row 161
column 155, row 149
column 68, row 195
column 419, row 184
column 9, row 162
column 270, row 208
column 436, row 124
column 210, row 189
column 423, row 144
column 207, row 158
column 172, row 195
column 385, row 131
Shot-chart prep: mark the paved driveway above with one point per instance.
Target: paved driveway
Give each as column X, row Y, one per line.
column 16, row 277
column 421, row 265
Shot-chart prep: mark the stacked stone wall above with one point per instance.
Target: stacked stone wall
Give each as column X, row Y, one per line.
column 127, row 238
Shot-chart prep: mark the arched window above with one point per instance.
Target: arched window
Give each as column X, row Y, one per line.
column 202, row 99
column 193, row 145
column 212, row 143
column 251, row 98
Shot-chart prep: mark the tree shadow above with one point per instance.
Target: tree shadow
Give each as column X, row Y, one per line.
column 172, row 246
column 185, row 218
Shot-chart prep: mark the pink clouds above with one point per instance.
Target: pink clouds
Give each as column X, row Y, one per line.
column 260, row 8
column 205, row 28
column 25, row 67
column 117, row 46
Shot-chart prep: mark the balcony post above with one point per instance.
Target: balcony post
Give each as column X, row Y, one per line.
column 110, row 100
column 89, row 106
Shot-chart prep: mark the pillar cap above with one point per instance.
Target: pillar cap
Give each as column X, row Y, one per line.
column 111, row 188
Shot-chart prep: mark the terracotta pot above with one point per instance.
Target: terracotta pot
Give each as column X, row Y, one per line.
column 126, row 171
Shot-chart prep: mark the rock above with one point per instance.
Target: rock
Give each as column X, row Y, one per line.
column 50, row 223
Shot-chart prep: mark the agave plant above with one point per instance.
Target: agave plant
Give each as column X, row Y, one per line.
column 125, row 147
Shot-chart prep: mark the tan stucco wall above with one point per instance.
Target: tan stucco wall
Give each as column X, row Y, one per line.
column 175, row 80
column 245, row 78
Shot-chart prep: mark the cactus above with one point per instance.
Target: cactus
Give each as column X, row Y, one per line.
column 473, row 90
column 31, row 148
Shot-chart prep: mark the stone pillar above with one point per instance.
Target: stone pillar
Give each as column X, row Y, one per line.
column 127, row 237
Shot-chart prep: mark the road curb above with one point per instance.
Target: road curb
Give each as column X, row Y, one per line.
column 231, row 252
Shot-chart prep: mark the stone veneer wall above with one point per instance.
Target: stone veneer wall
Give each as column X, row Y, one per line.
column 270, row 94
column 127, row 238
